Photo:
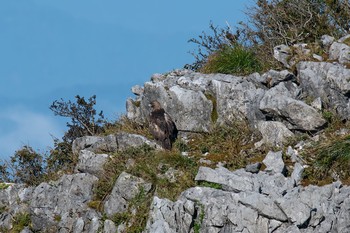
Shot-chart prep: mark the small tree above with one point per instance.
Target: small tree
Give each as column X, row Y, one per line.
column 27, row 166
column 4, row 172
column 83, row 117
column 61, row 157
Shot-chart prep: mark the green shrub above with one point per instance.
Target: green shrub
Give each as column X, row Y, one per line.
column 20, row 221
column 83, row 117
column 232, row 60
column 271, row 23
column 27, row 165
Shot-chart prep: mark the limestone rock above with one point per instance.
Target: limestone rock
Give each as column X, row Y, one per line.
column 282, row 53
column 274, row 162
column 298, row 114
column 230, row 181
column 91, row 163
column 328, row 81
column 253, row 168
column 273, row 77
column 327, row 40
column 274, row 133
column 110, row 143
column 237, row 99
column 66, row 198
column 340, row 52
column 125, row 189
column 109, row 226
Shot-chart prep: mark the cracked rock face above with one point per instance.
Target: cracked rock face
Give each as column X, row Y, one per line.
column 266, row 201
column 125, row 189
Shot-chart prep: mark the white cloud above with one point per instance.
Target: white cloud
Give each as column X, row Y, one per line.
column 26, row 127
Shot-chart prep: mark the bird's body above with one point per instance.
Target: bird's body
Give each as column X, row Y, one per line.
column 162, row 126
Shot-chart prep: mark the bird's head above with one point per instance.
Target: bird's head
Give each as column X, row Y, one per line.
column 155, row 105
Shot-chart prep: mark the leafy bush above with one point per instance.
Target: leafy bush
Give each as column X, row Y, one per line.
column 27, row 166
column 30, row 167
column 210, row 43
column 61, row 157
column 83, row 117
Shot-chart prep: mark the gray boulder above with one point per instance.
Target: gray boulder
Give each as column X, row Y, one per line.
column 274, row 162
column 296, row 114
column 125, row 189
column 126, row 140
column 232, row 181
column 340, row 52
column 110, row 143
column 329, row 82
column 65, row 199
column 273, row 77
column 91, row 163
column 273, row 133
column 169, row 217
column 189, row 109
column 253, row 168
column 282, row 53
column 95, row 144
column 237, row 99
column 297, row 173
column 109, row 227
column 327, row 40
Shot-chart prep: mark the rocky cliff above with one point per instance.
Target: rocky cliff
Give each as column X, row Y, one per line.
column 268, row 198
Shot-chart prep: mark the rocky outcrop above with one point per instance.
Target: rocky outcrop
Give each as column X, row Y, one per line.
column 247, row 202
column 110, row 143
column 62, row 205
column 125, row 189
column 197, row 101
column 262, row 197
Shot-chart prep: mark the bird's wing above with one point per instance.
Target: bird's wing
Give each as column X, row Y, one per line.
column 158, row 126
column 169, row 124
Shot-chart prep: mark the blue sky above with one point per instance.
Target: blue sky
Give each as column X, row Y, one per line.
column 52, row 49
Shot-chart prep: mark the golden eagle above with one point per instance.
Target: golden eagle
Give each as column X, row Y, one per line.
column 162, row 126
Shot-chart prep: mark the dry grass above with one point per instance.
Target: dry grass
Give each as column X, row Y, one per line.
column 123, row 124
column 328, row 158
column 226, row 144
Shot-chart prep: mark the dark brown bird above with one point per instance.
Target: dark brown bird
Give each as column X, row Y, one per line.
column 162, row 126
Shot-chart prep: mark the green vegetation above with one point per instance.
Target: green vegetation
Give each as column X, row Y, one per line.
column 198, row 223
column 20, row 221
column 148, row 163
column 4, row 186
column 32, row 167
column 328, row 159
column 226, row 144
column 214, row 113
column 249, row 49
column 57, row 218
column 270, row 23
column 210, row 185
column 232, row 60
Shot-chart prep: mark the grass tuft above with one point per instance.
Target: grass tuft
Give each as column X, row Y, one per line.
column 236, row 60
column 20, row 221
